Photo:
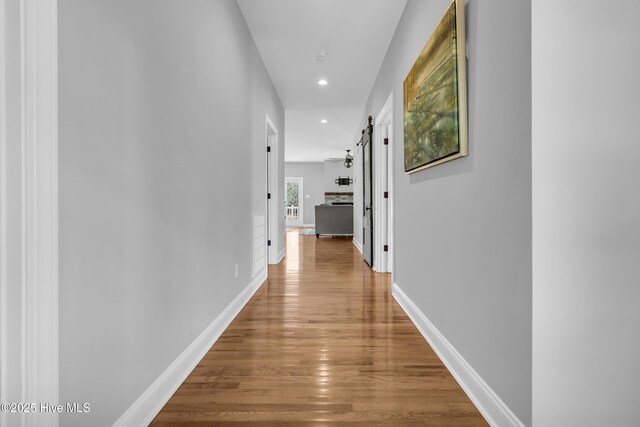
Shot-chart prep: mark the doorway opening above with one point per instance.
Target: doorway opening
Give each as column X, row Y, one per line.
column 294, row 201
column 383, row 189
column 273, row 239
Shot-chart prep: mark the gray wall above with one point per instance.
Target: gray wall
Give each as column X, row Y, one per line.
column 162, row 167
column 463, row 250
column 586, row 207
column 313, row 185
column 11, row 213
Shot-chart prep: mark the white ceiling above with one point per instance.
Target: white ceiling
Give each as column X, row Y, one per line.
column 354, row 33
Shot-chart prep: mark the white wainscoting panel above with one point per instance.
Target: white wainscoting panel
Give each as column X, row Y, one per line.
column 259, row 244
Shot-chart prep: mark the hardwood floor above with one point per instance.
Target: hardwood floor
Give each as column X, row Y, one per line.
column 321, row 343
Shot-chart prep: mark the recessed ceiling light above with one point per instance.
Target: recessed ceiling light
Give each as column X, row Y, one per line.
column 322, row 82
column 323, row 121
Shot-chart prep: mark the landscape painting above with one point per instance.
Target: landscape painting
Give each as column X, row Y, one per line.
column 435, row 128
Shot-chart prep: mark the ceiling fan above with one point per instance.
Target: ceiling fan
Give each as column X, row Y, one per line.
column 348, row 159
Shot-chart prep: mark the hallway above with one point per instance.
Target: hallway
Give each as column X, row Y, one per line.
column 322, row 342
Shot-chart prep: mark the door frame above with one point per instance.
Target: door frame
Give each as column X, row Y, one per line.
column 272, row 164
column 383, row 181
column 29, row 334
column 300, row 197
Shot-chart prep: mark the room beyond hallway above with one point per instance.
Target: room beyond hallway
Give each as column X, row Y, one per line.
column 322, row 341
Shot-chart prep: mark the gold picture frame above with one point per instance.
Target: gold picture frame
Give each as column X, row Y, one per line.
column 435, row 97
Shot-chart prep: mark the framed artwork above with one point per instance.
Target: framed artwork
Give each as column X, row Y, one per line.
column 435, row 97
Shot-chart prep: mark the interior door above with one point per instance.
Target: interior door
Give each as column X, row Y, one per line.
column 367, row 204
column 269, row 195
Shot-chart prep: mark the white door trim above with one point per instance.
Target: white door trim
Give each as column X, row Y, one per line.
column 275, row 207
column 300, row 180
column 383, row 181
column 38, row 185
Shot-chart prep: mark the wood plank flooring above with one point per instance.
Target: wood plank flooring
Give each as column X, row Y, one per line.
column 321, row 343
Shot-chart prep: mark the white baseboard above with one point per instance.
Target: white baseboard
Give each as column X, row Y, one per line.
column 144, row 410
column 358, row 245
column 494, row 410
column 309, row 225
column 281, row 256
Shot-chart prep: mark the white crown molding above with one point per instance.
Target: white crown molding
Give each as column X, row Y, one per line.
column 492, row 408
column 150, row 403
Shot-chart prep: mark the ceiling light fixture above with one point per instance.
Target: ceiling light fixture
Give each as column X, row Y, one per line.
column 323, row 121
column 348, row 159
column 323, row 82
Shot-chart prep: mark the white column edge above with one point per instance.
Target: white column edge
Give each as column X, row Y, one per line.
column 40, row 200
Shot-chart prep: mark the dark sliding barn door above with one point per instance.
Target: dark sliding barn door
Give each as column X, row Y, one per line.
column 367, row 203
